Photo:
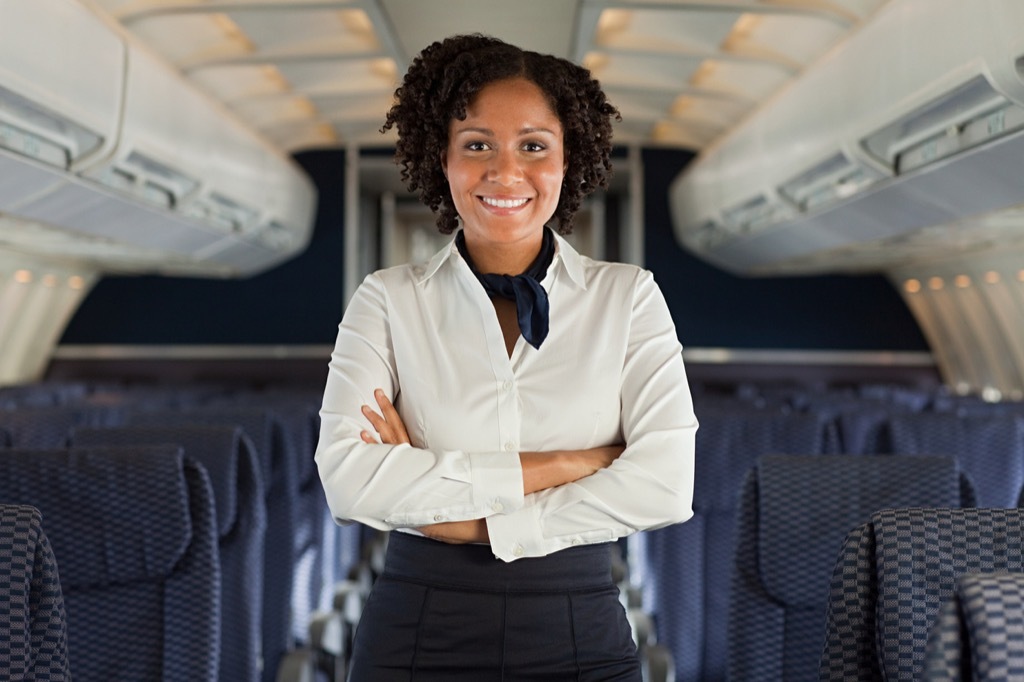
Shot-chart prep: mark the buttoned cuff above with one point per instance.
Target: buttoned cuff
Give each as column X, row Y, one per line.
column 497, row 479
column 521, row 533
column 517, row 535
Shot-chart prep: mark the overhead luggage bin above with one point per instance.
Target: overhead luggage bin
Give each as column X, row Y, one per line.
column 61, row 88
column 107, row 146
column 869, row 146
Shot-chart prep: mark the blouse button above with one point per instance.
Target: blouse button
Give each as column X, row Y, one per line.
column 507, row 385
column 575, row 541
column 498, row 507
column 439, row 517
column 510, row 446
column 518, row 550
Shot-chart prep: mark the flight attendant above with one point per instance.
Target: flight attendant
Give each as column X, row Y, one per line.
column 510, row 408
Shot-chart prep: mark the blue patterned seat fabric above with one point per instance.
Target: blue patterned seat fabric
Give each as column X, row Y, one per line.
column 48, row 427
column 989, row 447
column 134, row 532
column 33, row 629
column 794, row 513
column 230, row 459
column 688, row 567
column 269, row 438
column 892, row 577
column 979, row 634
column 314, row 532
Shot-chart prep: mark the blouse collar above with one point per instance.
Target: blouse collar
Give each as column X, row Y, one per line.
column 564, row 253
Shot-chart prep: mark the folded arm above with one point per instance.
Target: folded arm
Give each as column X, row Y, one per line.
column 541, row 470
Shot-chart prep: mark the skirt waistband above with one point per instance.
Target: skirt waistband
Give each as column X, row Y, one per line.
column 420, row 559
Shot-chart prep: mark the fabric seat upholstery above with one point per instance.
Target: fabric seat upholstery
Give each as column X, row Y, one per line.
column 268, row 436
column 135, row 533
column 795, row 512
column 687, row 572
column 979, row 634
column 989, row 448
column 230, row 459
column 893, row 575
column 33, row 631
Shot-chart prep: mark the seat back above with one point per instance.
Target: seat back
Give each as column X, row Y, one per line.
column 989, row 448
column 48, row 427
column 230, row 459
column 268, row 436
column 794, row 513
column 688, row 567
column 34, row 627
column 135, row 534
column 979, row 634
column 894, row 573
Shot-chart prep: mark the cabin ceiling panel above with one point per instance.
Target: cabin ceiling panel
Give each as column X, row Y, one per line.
column 239, row 82
column 676, row 65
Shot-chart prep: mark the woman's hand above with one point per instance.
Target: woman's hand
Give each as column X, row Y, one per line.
column 391, row 431
column 458, row 532
column 388, row 423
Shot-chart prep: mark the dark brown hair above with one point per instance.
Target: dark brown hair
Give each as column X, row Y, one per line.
column 443, row 80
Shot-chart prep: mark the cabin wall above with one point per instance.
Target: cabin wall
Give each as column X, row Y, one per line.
column 971, row 308
column 37, row 297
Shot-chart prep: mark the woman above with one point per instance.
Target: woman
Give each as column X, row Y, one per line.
column 531, row 404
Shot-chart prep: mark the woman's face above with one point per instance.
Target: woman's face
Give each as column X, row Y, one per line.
column 505, row 163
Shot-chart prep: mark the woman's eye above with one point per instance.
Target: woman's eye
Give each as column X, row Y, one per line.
column 476, row 146
column 533, row 147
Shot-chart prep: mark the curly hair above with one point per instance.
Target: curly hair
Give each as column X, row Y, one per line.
column 442, row 82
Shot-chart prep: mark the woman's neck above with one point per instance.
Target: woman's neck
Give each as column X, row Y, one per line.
column 503, row 258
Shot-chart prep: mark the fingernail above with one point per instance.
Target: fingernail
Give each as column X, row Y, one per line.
column 379, row 393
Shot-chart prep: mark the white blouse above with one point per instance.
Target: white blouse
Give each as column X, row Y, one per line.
column 609, row 372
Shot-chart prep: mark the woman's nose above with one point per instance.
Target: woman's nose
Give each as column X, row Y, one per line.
column 504, row 169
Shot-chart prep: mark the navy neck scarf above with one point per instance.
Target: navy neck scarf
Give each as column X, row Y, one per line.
column 525, row 289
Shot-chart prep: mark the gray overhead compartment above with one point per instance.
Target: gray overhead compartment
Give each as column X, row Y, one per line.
column 106, row 149
column 914, row 122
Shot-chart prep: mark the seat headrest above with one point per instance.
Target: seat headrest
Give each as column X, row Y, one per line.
column 215, row 447
column 730, row 441
column 113, row 515
column 808, row 504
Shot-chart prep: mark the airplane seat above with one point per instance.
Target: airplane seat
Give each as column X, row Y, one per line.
column 49, row 427
column 794, row 513
column 229, row 458
column 968, row 405
column 863, row 430
column 315, row 571
column 34, row 627
column 134, row 532
column 989, row 448
column 42, row 394
column 266, row 431
column 894, row 573
column 978, row 634
column 900, row 396
column 687, row 568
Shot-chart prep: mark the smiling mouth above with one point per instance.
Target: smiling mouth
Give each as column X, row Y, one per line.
column 503, row 203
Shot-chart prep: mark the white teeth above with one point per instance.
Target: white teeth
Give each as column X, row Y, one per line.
column 504, row 203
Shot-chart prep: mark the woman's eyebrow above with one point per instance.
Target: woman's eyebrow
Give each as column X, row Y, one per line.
column 488, row 131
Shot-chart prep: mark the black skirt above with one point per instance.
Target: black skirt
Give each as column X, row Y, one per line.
column 453, row 613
